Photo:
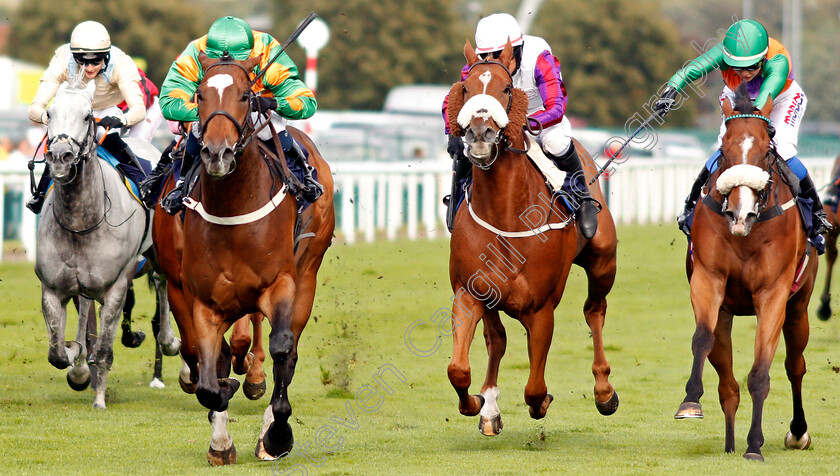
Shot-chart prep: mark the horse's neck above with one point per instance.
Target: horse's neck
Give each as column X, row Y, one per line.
column 80, row 203
column 507, row 190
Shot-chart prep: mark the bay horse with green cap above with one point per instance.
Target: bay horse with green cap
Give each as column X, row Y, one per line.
column 748, row 255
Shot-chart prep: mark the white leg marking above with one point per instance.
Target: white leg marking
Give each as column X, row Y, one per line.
column 220, row 441
column 491, row 406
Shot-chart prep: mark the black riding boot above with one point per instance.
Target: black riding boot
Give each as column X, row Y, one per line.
column 461, row 169
column 37, row 201
column 312, row 190
column 173, row 202
column 820, row 222
column 149, row 187
column 691, row 200
column 131, row 167
column 587, row 213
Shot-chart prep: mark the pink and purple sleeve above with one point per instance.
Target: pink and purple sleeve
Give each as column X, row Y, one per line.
column 445, row 106
column 552, row 90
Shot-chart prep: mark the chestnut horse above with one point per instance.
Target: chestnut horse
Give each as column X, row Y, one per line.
column 500, row 262
column 824, row 311
column 750, row 257
column 236, row 254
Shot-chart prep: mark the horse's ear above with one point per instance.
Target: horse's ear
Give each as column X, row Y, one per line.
column 469, row 54
column 204, row 60
column 506, row 58
column 454, row 105
column 252, row 63
column 90, row 89
column 767, row 108
column 726, row 107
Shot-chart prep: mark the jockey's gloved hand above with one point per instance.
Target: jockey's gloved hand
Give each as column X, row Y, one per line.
column 455, row 148
column 111, row 122
column 262, row 104
column 666, row 101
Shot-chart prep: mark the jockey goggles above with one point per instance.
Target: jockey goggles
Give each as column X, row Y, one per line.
column 84, row 61
column 751, row 67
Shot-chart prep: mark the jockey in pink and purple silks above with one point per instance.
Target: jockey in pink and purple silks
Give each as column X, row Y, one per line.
column 538, row 74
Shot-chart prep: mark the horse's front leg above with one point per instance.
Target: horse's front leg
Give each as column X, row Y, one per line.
column 796, row 333
column 540, row 328
column 770, row 315
column 276, row 437
column 78, row 377
column 466, row 312
column 61, row 354
column 706, row 299
column 495, row 339
column 165, row 335
column 102, row 354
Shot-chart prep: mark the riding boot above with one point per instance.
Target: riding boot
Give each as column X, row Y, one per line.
column 311, row 188
column 120, row 150
column 173, row 202
column 587, row 212
column 819, row 224
column 149, row 186
column 461, row 169
column 37, row 201
column 691, row 201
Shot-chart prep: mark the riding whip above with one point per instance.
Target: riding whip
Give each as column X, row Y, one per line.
column 306, row 21
column 616, row 153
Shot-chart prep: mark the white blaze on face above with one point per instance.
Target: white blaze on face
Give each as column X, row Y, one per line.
column 746, row 145
column 220, row 82
column 747, row 201
column 485, row 78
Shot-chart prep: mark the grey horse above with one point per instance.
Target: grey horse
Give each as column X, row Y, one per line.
column 91, row 235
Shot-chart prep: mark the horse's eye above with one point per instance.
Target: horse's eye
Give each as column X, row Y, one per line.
column 198, row 96
column 507, row 89
column 245, row 97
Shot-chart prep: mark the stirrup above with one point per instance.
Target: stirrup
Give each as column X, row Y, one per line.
column 173, row 202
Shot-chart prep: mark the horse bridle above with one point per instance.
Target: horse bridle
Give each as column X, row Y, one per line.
column 245, row 131
column 500, row 133
column 771, row 158
column 84, row 148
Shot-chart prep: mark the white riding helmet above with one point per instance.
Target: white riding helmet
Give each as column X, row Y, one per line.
column 492, row 32
column 90, row 38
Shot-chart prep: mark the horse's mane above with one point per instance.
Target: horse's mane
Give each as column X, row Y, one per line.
column 743, row 103
column 517, row 115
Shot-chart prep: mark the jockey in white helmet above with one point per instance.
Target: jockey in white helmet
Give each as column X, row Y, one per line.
column 537, row 73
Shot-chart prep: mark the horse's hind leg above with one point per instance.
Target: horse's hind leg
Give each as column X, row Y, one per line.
column 164, row 334
column 796, row 334
column 240, row 341
column 490, row 423
column 540, row 327
column 728, row 392
column 601, row 276
column 824, row 311
column 254, row 386
column 157, row 376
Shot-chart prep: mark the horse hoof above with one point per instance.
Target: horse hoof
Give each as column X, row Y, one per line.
column 79, row 386
column 490, row 426
column 223, row 457
column 470, row 411
column 689, row 410
column 172, row 348
column 157, row 383
column 281, row 447
column 187, row 387
column 609, row 407
column 824, row 311
column 210, row 399
column 803, row 443
column 754, row 457
column 538, row 414
column 132, row 340
column 253, row 391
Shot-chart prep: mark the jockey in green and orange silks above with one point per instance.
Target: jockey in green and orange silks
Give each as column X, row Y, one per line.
column 748, row 55
column 279, row 91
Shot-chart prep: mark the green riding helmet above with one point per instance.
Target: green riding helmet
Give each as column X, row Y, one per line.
column 745, row 44
column 230, row 34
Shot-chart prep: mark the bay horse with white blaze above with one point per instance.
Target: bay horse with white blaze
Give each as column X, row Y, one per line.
column 236, row 254
column 527, row 268
column 750, row 257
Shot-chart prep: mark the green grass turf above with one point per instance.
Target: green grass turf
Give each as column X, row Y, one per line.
column 368, row 296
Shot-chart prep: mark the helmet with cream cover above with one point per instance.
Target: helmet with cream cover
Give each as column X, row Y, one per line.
column 90, row 38
column 494, row 31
